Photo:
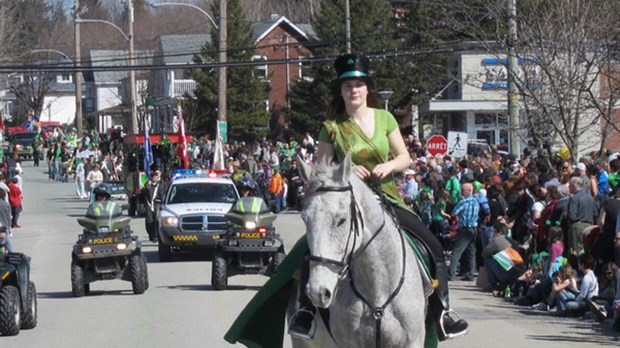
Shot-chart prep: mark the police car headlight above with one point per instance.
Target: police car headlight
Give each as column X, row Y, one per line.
column 87, row 250
column 250, row 225
column 169, row 221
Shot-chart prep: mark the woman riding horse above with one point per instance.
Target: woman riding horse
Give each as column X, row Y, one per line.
column 356, row 125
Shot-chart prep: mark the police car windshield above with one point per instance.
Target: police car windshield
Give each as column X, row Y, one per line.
column 202, row 193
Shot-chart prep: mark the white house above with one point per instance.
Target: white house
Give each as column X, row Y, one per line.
column 475, row 100
column 173, row 82
column 105, row 103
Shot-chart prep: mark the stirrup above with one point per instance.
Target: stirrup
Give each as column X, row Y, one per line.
column 442, row 328
column 302, row 335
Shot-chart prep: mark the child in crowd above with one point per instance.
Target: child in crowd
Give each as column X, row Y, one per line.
column 556, row 248
column 425, row 206
column 587, row 289
column 439, row 225
column 563, row 289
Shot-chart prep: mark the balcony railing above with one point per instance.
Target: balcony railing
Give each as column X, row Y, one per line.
column 181, row 87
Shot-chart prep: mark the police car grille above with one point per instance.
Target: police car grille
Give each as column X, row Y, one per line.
column 215, row 223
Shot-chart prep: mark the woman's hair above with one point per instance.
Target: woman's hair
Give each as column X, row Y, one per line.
column 443, row 195
column 555, row 233
column 566, row 272
column 424, row 196
column 605, row 281
column 336, row 107
column 610, row 266
column 552, row 192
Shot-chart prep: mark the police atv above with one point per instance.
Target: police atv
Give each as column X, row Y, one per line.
column 107, row 250
column 250, row 245
column 18, row 295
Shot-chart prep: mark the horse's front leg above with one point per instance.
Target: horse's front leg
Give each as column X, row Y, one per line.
column 347, row 323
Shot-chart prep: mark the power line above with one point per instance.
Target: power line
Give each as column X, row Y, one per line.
column 231, row 64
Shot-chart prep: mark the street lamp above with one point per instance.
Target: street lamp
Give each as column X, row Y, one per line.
column 132, row 72
column 385, row 96
column 50, row 50
column 222, row 58
column 161, row 4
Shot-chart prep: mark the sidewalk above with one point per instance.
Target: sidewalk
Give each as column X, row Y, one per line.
column 494, row 322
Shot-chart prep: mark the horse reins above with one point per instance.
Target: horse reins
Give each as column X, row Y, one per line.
column 378, row 311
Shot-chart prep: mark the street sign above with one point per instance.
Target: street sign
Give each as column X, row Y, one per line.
column 222, row 130
column 457, row 144
column 437, row 145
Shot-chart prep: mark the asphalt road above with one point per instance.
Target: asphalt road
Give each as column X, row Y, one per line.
column 180, row 309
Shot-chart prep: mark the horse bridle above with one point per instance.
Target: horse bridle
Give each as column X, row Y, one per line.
column 354, row 231
column 347, row 257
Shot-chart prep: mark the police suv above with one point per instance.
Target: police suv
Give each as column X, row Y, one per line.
column 192, row 213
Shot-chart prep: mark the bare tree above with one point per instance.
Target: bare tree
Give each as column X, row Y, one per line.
column 566, row 49
column 567, row 41
column 8, row 32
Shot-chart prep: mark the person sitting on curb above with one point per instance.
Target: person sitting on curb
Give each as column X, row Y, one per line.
column 587, row 289
column 497, row 274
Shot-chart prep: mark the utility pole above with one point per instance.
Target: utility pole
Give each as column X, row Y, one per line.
column 513, row 91
column 77, row 77
column 132, row 72
column 347, row 20
column 221, row 90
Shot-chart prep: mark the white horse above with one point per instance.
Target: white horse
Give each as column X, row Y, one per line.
column 361, row 267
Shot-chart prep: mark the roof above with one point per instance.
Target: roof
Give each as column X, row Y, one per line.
column 202, row 180
column 261, row 29
column 99, row 58
column 178, row 49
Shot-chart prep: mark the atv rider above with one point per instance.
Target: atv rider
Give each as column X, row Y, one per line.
column 5, row 241
column 247, row 187
column 250, row 201
column 102, row 207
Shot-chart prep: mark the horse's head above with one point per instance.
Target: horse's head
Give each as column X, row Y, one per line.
column 327, row 214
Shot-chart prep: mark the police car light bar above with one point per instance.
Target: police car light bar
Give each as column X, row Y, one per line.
column 187, row 173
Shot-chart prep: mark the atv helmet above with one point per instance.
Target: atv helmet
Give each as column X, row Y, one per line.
column 103, row 189
column 246, row 184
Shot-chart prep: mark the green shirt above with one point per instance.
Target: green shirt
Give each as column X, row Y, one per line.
column 437, row 209
column 346, row 136
column 454, row 187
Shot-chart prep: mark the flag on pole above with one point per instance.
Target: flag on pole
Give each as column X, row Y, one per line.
column 182, row 148
column 148, row 151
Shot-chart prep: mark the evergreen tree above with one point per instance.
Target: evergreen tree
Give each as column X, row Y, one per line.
column 246, row 93
column 373, row 31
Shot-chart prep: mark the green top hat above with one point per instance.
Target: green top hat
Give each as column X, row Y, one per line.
column 352, row 66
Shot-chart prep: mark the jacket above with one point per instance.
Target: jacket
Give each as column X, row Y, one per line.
column 277, row 184
column 15, row 195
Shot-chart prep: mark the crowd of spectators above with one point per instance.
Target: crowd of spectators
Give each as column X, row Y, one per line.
column 545, row 232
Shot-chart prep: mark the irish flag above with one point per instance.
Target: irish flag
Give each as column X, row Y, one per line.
column 508, row 258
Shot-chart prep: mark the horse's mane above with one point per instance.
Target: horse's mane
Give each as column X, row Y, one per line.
column 330, row 175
